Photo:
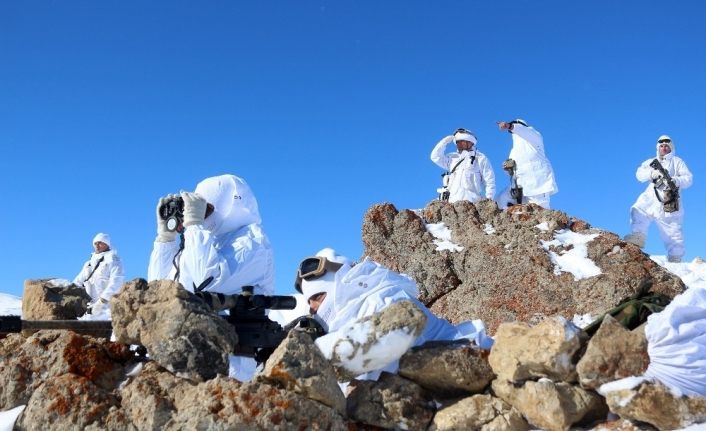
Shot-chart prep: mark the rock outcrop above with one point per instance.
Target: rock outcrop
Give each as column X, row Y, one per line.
column 505, row 271
column 42, row 300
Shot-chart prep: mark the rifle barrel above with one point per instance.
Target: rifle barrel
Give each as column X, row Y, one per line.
column 96, row 328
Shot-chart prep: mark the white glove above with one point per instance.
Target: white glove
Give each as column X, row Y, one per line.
column 449, row 139
column 655, row 174
column 163, row 234
column 194, row 208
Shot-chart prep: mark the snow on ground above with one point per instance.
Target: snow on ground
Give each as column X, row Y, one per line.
column 693, row 273
column 10, row 305
column 543, row 226
column 582, row 320
column 442, row 237
column 489, row 229
column 574, row 258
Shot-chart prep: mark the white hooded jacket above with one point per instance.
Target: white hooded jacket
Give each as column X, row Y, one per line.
column 647, row 202
column 534, row 171
column 367, row 288
column 106, row 280
column 230, row 246
column 474, row 171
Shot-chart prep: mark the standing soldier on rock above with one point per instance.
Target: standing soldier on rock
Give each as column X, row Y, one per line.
column 660, row 202
column 467, row 169
column 532, row 173
column 101, row 276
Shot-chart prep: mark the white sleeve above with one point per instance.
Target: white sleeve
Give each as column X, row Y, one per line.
column 530, row 135
column 644, row 172
column 683, row 176
column 438, row 155
column 488, row 177
column 115, row 279
column 200, row 260
column 161, row 260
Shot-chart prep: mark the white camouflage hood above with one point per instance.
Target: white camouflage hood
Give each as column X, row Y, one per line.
column 234, row 203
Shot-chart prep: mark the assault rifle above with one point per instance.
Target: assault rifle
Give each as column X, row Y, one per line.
column 670, row 201
column 258, row 336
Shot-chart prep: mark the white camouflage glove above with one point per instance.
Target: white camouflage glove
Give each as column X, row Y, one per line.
column 655, row 175
column 163, row 234
column 194, row 208
column 98, row 307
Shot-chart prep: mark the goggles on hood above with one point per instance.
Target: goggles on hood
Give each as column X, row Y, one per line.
column 314, row 267
column 664, row 141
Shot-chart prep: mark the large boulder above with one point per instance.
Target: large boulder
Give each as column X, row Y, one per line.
column 612, row 354
column 43, row 300
column 299, row 366
column 448, row 369
column 509, row 266
column 178, row 329
column 392, row 402
column 479, row 413
column 654, row 403
column 548, row 349
column 552, row 406
column 50, row 354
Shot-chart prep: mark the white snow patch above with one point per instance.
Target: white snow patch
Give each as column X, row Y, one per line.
column 10, row 305
column 582, row 320
column 576, row 259
column 59, row 282
column 543, row 226
column 8, row 418
column 695, row 427
column 489, row 229
column 442, row 237
column 622, row 384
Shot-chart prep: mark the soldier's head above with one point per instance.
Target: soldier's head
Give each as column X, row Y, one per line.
column 464, row 139
column 101, row 242
column 664, row 145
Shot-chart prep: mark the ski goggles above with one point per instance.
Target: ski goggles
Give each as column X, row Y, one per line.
column 664, row 141
column 314, row 267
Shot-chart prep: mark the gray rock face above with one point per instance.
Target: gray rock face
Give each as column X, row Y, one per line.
column 612, row 354
column 479, row 413
column 552, row 406
column 506, row 275
column 50, row 354
column 448, row 369
column 179, row 331
column 655, row 404
column 392, row 402
column 299, row 366
column 43, row 301
column 548, row 350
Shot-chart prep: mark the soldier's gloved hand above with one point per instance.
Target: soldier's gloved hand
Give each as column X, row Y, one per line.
column 194, row 208
column 508, row 165
column 163, row 234
column 655, row 175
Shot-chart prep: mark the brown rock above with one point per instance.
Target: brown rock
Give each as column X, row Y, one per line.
column 654, row 403
column 552, row 406
column 479, row 413
column 612, row 354
column 41, row 300
column 298, row 365
column 547, row 350
column 448, row 369
column 67, row 402
column 179, row 331
column 48, row 354
column 391, row 402
column 507, row 275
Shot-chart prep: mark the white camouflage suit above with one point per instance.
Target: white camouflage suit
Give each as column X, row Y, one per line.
column 102, row 275
column 533, row 170
column 648, row 208
column 471, row 171
column 230, row 246
column 360, row 290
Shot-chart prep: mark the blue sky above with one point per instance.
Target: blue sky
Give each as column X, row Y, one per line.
column 325, row 108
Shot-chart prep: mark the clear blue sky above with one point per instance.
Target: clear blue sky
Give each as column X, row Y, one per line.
column 325, row 108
